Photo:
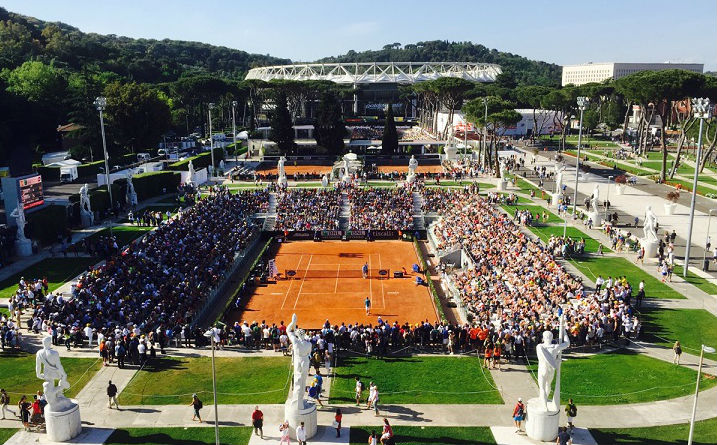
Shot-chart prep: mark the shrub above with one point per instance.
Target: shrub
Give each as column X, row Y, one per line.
column 200, row 161
column 150, row 184
column 46, row 223
column 673, row 196
column 49, row 174
column 89, row 170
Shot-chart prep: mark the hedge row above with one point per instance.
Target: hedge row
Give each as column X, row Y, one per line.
column 46, row 223
column 152, row 184
column 83, row 171
column 199, row 161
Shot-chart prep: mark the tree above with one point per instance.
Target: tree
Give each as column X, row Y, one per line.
column 389, row 142
column 450, row 92
column 330, row 130
column 282, row 132
column 532, row 97
column 501, row 116
column 37, row 82
column 136, row 116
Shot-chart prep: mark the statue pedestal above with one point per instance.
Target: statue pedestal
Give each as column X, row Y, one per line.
column 650, row 248
column 556, row 199
column 63, row 425
column 87, row 219
column 542, row 424
column 597, row 219
column 295, row 416
column 282, row 181
column 502, row 185
column 411, row 179
column 23, row 247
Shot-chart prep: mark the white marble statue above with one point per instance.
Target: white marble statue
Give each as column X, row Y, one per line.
column 85, row 207
column 549, row 356
column 412, row 165
column 192, row 172
column 131, row 195
column 49, row 369
column 347, row 170
column 221, row 165
column 595, row 201
column 19, row 214
column 650, row 226
column 559, row 170
column 324, row 181
column 301, row 352
column 502, row 169
column 280, row 166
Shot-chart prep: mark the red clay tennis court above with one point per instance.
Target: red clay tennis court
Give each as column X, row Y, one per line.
column 327, row 283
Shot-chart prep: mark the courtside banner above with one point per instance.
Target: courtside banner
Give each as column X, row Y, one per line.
column 301, row 235
column 384, row 234
column 331, row 234
column 356, row 234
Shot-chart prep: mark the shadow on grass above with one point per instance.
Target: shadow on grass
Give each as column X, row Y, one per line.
column 163, row 364
column 620, row 437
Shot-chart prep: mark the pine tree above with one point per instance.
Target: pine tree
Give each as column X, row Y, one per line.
column 389, row 144
column 282, row 131
column 330, row 130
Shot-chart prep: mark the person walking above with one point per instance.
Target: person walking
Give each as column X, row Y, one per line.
column 564, row 437
column 5, row 401
column 387, row 432
column 518, row 414
column 570, row 412
column 257, row 420
column 367, row 305
column 337, row 422
column 364, row 270
column 677, row 349
column 284, row 431
column 375, row 400
column 112, row 394
column 359, row 390
column 373, row 438
column 197, row 405
column 301, row 434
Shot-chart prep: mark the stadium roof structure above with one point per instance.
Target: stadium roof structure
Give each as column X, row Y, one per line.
column 378, row 72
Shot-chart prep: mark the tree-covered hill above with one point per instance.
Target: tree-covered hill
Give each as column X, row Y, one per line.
column 142, row 60
column 524, row 71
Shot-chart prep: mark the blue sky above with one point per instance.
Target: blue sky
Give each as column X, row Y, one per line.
column 558, row 31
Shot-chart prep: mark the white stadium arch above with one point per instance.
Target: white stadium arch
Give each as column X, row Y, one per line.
column 378, row 72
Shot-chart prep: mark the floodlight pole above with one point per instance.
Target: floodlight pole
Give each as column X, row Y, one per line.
column 582, row 103
column 211, row 137
column 703, row 349
column 707, row 239
column 234, row 131
column 210, row 334
column 607, row 197
column 101, row 103
column 701, row 109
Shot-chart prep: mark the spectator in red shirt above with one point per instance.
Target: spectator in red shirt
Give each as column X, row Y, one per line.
column 257, row 420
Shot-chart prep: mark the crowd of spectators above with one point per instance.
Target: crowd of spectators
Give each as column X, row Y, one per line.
column 515, row 283
column 308, row 209
column 155, row 284
column 381, row 208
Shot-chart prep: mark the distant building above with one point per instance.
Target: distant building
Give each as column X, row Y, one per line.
column 597, row 72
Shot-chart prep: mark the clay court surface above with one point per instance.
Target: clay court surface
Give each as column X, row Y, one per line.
column 328, row 284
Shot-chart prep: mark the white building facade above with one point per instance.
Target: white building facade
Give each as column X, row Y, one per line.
column 597, row 72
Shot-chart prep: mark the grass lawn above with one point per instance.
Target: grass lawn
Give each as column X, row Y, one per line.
column 380, row 184
column 239, row 435
column 418, row 435
column 687, row 186
column 697, row 281
column 591, row 245
column 172, row 199
column 124, row 234
column 552, row 218
column 520, row 199
column 624, row 377
column 692, row 327
column 239, row 380
column 618, row 266
column 481, row 185
column 57, row 270
column 416, row 380
column 6, row 433
column 705, row 434
column 17, row 373
column 526, row 187
column 4, row 311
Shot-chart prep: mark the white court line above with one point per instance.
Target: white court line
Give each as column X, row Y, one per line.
column 338, row 269
column 292, row 282
column 383, row 294
column 370, row 281
column 308, row 266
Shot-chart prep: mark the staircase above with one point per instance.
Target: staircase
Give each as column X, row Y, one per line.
column 418, row 221
column 345, row 214
column 270, row 215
